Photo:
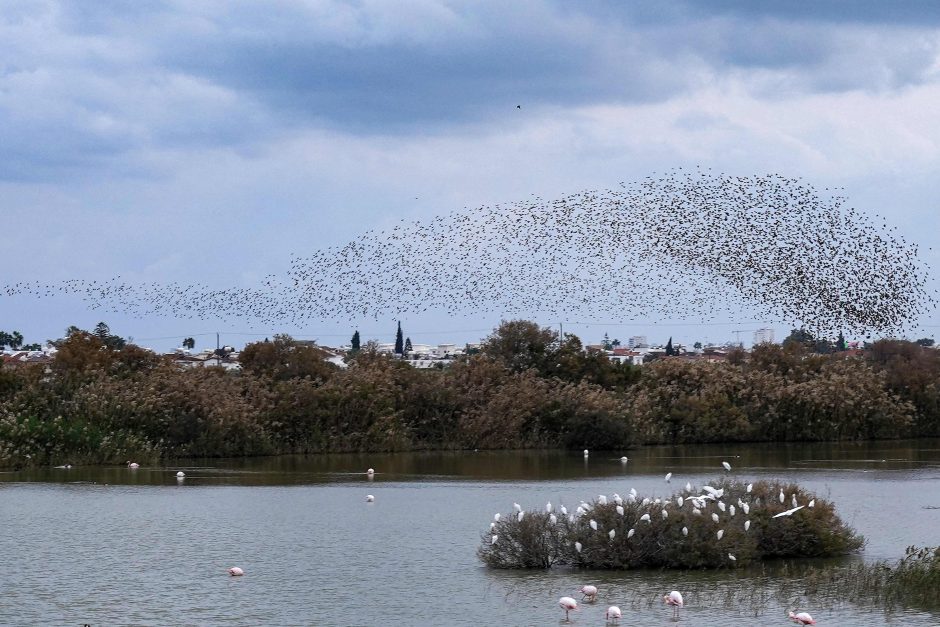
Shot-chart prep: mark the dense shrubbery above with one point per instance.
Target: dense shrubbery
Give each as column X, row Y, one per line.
column 543, row 539
column 105, row 402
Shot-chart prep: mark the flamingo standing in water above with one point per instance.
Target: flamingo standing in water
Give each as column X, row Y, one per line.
column 613, row 614
column 802, row 618
column 235, row 571
column 568, row 604
column 674, row 599
column 589, row 592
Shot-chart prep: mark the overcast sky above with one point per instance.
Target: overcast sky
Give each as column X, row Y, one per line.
column 207, row 141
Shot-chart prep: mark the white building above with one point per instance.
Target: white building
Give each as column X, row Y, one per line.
column 637, row 341
column 763, row 336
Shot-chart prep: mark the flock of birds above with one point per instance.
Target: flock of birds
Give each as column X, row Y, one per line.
column 691, row 245
column 698, row 503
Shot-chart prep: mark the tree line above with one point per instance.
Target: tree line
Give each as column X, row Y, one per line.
column 104, row 400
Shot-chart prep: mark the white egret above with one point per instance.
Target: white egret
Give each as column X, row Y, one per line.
column 732, row 557
column 688, row 486
column 668, row 477
column 789, row 512
column 680, row 501
column 564, row 510
column 793, row 500
column 685, row 531
column 548, row 507
column 593, row 524
column 727, row 466
column 630, row 533
column 624, row 460
column 516, row 507
column 750, row 487
column 180, row 474
column 645, row 517
column 577, row 547
column 812, row 504
column 746, row 508
column 696, row 511
column 612, row 534
column 731, row 510
column 496, row 517
column 551, row 519
column 714, row 517
column 665, row 514
column 602, row 499
column 720, row 533
column 519, row 516
column 370, row 471
column 369, row 498
column 618, row 500
column 494, row 539
column 620, row 509
column 747, row 525
column 721, row 506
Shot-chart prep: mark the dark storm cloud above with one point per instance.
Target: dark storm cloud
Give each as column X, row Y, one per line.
column 81, row 81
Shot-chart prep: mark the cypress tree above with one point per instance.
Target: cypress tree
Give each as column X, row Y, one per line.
column 669, row 350
column 355, row 342
column 399, row 341
column 408, row 347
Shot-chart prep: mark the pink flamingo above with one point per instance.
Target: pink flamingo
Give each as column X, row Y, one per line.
column 235, row 571
column 589, row 592
column 674, row 599
column 568, row 604
column 803, row 618
column 613, row 614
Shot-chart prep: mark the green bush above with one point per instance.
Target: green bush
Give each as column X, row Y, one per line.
column 541, row 540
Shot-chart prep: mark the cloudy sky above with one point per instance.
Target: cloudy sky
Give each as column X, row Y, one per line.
column 207, row 141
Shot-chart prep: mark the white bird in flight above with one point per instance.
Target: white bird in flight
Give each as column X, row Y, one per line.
column 727, row 466
column 789, row 512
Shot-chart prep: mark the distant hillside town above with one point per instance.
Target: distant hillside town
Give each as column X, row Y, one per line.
column 638, row 349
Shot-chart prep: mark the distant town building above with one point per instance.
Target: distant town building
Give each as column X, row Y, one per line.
column 763, row 336
column 637, row 341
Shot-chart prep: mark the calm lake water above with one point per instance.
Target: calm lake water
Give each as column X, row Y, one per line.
column 112, row 546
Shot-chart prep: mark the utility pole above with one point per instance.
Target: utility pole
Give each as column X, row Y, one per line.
column 561, row 334
column 217, row 345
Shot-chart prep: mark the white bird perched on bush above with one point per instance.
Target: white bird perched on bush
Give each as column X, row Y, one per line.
column 812, row 504
column 720, row 533
column 645, row 517
column 750, row 487
column 731, row 510
column 568, row 604
column 674, row 599
column 613, row 614
column 630, row 533
column 696, row 511
column 680, row 501
column 732, row 557
column 789, row 512
column 668, row 477
column 633, row 492
column 620, row 509
column 564, row 510
column 747, row 525
column 494, row 539
column 602, row 499
column 793, row 500
column 588, row 593
column 727, row 466
column 714, row 517
column 618, row 499
column 496, row 517
column 593, row 524
column 369, row 498
column 688, row 486
column 492, row 526
column 516, row 507
column 551, row 519
column 548, row 507
column 519, row 516
column 577, row 547
column 721, row 506
column 685, row 531
column 783, row 497
column 746, row 508
column 645, row 502
column 612, row 534
column 665, row 514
